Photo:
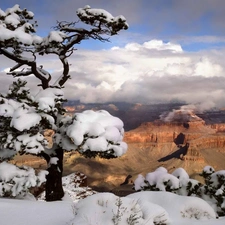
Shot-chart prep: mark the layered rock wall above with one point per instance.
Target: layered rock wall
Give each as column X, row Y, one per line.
column 218, row 127
column 196, row 134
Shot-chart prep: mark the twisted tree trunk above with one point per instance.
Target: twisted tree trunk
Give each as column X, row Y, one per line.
column 54, row 190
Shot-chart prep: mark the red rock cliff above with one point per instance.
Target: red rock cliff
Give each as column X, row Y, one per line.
column 196, row 134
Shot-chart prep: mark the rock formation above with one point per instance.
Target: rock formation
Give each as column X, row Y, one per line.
column 177, row 140
column 192, row 140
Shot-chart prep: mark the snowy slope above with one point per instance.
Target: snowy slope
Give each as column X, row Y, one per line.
column 24, row 212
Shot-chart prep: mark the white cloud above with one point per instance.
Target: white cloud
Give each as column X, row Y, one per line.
column 207, row 68
column 5, row 70
column 154, row 44
column 150, row 72
column 131, row 47
column 160, row 45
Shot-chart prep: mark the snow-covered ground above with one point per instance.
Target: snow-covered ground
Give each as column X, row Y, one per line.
column 141, row 208
column 83, row 206
column 25, row 212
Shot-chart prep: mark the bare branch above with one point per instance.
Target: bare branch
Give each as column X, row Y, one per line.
column 65, row 75
column 61, row 42
column 18, row 65
column 20, row 73
column 16, row 58
column 30, row 63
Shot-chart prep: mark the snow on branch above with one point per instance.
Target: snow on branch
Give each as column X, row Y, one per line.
column 19, row 42
column 16, row 181
column 94, row 133
column 212, row 191
column 15, row 27
column 24, row 118
column 100, row 17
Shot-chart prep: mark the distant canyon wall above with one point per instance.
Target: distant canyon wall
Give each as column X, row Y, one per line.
column 194, row 136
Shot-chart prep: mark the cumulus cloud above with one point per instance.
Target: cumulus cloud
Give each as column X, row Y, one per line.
column 151, row 72
column 159, row 45
column 137, row 73
column 148, row 70
column 187, row 113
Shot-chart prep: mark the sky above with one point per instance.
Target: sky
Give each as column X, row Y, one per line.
column 172, row 51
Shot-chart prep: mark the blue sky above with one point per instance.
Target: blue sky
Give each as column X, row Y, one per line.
column 173, row 50
column 168, row 20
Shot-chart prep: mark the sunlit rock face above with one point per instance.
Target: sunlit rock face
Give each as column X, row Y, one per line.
column 188, row 133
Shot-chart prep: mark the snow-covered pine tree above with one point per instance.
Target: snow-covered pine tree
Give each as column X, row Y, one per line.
column 24, row 118
column 213, row 189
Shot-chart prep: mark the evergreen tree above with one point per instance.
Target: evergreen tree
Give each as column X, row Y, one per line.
column 24, row 118
column 213, row 189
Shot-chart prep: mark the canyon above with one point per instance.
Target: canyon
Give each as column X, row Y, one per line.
column 176, row 139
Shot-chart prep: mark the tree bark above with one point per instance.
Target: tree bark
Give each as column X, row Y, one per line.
column 54, row 190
